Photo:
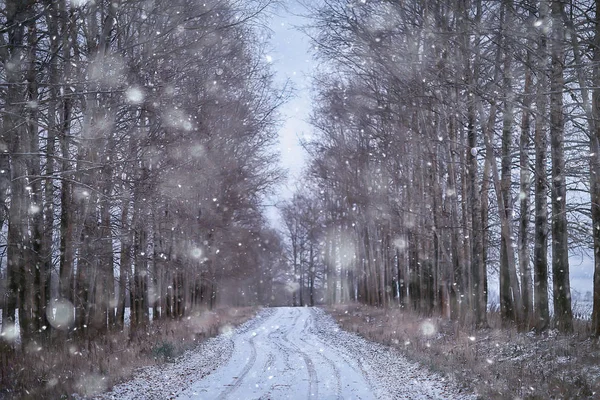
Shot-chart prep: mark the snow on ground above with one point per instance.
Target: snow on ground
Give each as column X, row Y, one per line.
column 167, row 380
column 392, row 375
column 290, row 353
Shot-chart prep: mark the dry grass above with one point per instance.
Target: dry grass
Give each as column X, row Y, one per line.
column 495, row 363
column 90, row 367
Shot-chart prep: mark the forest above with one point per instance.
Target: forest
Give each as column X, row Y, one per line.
column 453, row 141
column 136, row 150
column 455, row 145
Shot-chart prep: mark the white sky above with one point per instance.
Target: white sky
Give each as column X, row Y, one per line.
column 292, row 60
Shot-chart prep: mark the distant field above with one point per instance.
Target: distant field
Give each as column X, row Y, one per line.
column 582, row 309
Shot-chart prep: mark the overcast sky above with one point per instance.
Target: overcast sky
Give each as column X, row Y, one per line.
column 292, row 61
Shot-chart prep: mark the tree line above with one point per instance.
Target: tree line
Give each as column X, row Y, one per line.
column 135, row 153
column 453, row 139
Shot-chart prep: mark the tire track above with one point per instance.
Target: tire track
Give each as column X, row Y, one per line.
column 306, row 331
column 286, row 346
column 274, row 338
column 269, row 363
column 245, row 371
column 313, row 382
column 343, row 353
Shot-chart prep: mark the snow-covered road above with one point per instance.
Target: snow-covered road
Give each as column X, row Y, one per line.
column 284, row 358
column 290, row 353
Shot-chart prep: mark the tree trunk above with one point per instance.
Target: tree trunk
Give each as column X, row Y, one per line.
column 479, row 301
column 595, row 172
column 540, row 265
column 67, row 204
column 125, row 260
column 560, row 244
column 525, row 191
column 457, row 288
column 16, row 137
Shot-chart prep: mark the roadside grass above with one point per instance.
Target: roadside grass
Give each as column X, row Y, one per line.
column 495, row 363
column 88, row 368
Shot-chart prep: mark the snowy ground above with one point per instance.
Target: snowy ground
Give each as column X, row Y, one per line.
column 288, row 353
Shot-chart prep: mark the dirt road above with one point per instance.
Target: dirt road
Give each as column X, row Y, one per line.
column 284, row 358
column 289, row 353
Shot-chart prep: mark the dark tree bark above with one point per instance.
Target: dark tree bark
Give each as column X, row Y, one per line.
column 524, row 195
column 595, row 170
column 17, row 138
column 560, row 241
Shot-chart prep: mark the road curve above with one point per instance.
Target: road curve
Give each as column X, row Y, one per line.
column 284, row 358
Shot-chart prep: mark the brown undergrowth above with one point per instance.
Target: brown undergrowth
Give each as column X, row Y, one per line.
column 91, row 367
column 495, row 363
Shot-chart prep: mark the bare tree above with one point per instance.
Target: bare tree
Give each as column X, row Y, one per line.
column 560, row 247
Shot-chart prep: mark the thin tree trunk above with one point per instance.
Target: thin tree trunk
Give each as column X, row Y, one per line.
column 125, row 260
column 479, row 303
column 67, row 223
column 525, row 191
column 457, row 288
column 485, row 211
column 560, row 244
column 38, row 275
column 16, row 137
column 540, row 265
column 595, row 172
